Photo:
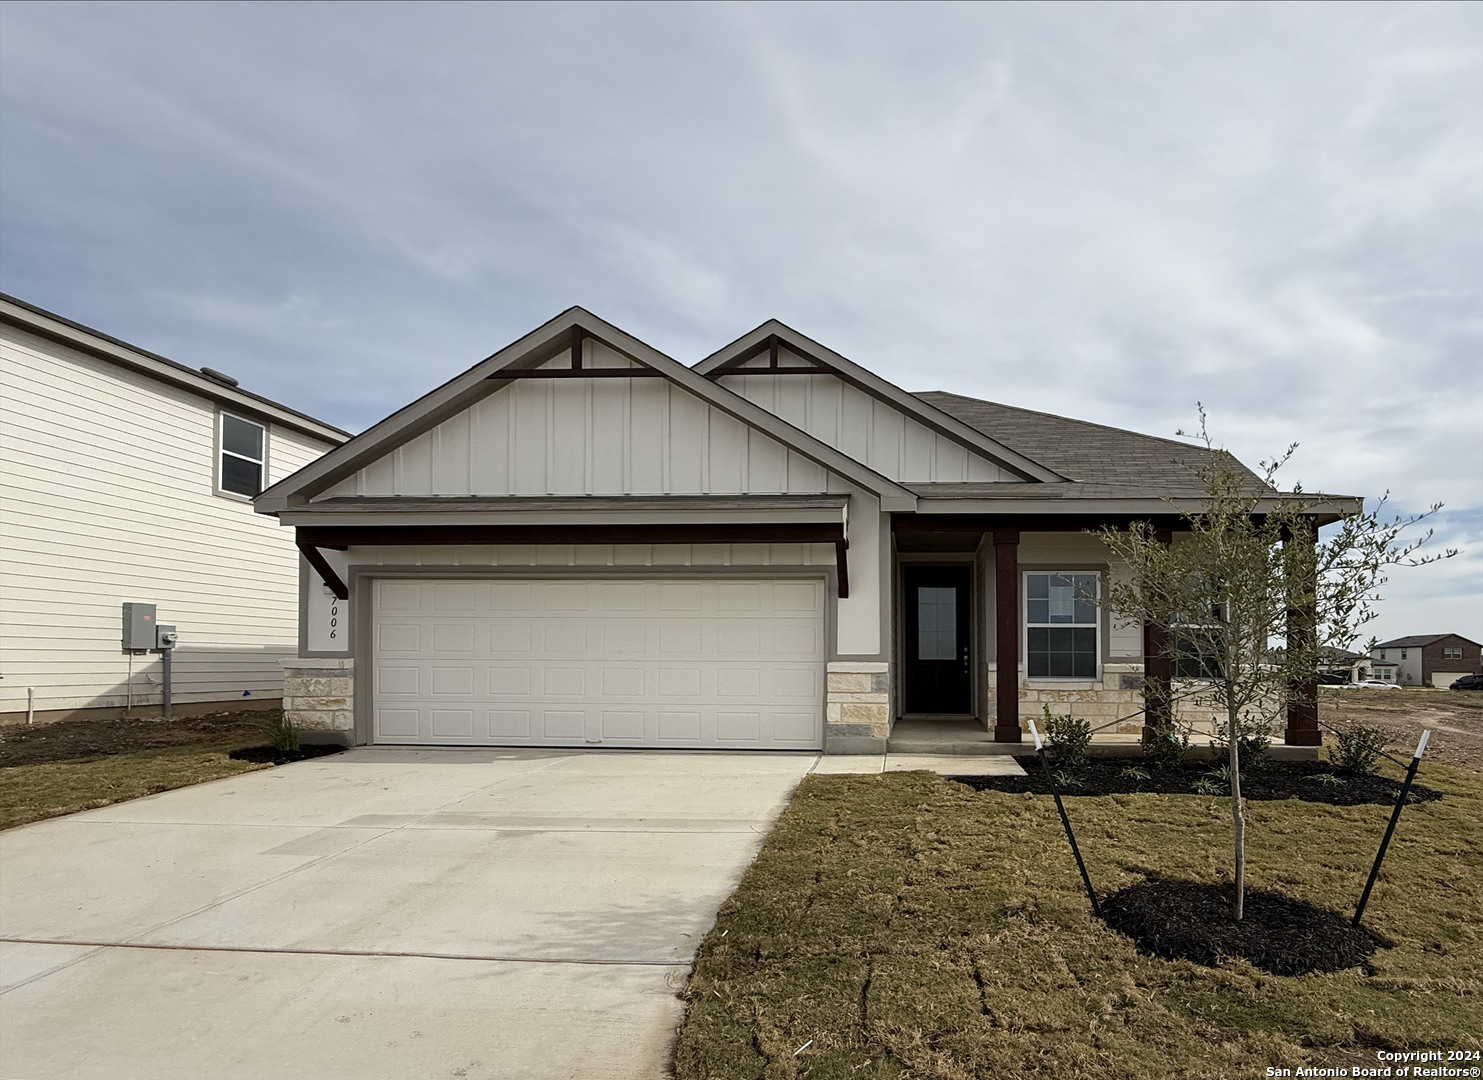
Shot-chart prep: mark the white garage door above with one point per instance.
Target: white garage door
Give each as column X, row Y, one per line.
column 664, row 663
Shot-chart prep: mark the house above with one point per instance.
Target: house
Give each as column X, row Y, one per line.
column 1431, row 659
column 1337, row 667
column 127, row 478
column 581, row 541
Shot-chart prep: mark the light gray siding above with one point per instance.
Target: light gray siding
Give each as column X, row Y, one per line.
column 871, row 431
column 590, row 437
column 106, row 482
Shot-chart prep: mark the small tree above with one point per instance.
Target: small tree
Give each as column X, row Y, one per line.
column 1250, row 594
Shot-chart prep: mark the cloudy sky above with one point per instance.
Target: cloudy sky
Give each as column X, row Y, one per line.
column 1108, row 211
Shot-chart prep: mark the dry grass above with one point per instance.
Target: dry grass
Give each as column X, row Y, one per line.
column 33, row 792
column 906, row 926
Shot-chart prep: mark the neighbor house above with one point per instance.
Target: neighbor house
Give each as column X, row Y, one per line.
column 126, row 478
column 1431, row 659
column 580, row 541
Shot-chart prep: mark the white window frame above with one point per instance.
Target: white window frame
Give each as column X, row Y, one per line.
column 1026, row 626
column 221, row 451
column 1451, row 652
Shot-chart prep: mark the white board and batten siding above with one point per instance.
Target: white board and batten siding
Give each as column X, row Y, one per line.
column 106, row 481
column 873, row 432
column 699, row 663
column 591, row 437
column 608, row 437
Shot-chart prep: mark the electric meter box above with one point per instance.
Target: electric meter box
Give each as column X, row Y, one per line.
column 139, row 627
column 164, row 636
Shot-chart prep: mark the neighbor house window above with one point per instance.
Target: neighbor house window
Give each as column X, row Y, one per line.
column 243, row 454
column 1403, row 654
column 1452, row 652
column 1061, row 639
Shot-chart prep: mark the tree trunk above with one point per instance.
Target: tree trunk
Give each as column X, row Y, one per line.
column 1237, row 814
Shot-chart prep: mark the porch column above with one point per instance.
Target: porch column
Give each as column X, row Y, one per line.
column 1007, row 635
column 1158, row 670
column 1302, row 630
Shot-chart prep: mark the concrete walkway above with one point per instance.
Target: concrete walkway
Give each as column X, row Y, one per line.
column 385, row 914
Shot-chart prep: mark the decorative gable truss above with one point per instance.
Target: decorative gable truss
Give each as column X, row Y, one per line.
column 582, row 413
column 846, row 407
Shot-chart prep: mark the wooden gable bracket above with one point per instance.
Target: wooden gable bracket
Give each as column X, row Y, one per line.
column 772, row 345
column 322, row 567
column 576, row 370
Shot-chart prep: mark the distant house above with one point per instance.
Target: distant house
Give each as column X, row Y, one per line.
column 1339, row 666
column 1431, row 659
column 128, row 478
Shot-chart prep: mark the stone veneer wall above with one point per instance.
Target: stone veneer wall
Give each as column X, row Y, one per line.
column 857, row 707
column 319, row 696
column 1118, row 696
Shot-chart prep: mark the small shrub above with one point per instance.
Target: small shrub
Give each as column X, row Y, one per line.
column 1068, row 738
column 1326, row 778
column 281, row 733
column 1134, row 772
column 1166, row 750
column 1252, row 740
column 1356, row 748
column 1066, row 779
column 1215, row 782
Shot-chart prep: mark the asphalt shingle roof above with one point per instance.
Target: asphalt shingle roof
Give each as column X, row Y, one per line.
column 1105, row 462
column 1416, row 641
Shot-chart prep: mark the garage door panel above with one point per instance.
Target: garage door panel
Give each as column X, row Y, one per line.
column 703, row 663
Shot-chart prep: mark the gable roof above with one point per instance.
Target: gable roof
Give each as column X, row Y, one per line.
column 827, row 361
column 1105, row 460
column 95, row 343
column 534, row 349
column 1417, row 641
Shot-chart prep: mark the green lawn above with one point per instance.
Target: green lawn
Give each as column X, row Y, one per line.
column 906, row 926
column 33, row 792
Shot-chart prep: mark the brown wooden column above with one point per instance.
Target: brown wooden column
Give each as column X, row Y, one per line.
column 1302, row 630
column 1158, row 670
column 1007, row 635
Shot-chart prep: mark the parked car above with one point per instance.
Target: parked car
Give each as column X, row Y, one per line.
column 1373, row 684
column 1468, row 682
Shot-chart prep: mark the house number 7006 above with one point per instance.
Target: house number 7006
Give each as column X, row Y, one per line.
column 334, row 619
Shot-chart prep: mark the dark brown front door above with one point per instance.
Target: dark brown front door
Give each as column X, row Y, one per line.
column 937, row 609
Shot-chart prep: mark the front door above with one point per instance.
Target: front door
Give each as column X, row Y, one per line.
column 937, row 629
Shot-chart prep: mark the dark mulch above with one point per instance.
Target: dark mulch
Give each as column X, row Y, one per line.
column 271, row 756
column 1270, row 780
column 73, row 740
column 1184, row 920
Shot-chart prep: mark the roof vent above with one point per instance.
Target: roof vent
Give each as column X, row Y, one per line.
column 219, row 376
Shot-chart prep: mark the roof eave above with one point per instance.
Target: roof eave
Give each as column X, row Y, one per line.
column 114, row 350
column 482, row 379
column 950, row 426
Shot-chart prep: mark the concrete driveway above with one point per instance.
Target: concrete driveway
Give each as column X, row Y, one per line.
column 379, row 913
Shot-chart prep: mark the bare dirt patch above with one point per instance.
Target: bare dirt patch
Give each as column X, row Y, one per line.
column 1455, row 718
column 76, row 740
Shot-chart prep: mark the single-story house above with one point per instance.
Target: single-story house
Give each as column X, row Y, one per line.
column 127, row 479
column 1431, row 659
column 581, row 541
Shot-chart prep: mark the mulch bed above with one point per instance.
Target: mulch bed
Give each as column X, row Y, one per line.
column 269, row 755
column 73, row 740
column 1184, row 920
column 1271, row 780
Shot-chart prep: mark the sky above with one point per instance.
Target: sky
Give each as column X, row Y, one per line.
column 1109, row 211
